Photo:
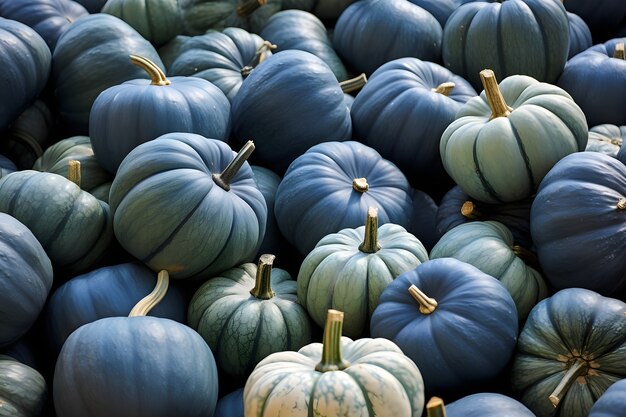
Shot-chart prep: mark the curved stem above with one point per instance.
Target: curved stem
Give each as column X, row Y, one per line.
column 427, row 304
column 262, row 288
column 262, row 52
column 147, row 303
column 224, row 178
column 470, row 210
column 526, row 255
column 619, row 51
column 360, row 185
column 498, row 106
column 331, row 344
column 156, row 74
column 353, row 84
column 73, row 171
column 370, row 240
column 621, row 204
column 248, row 7
column 444, row 88
column 435, row 408
column 578, row 368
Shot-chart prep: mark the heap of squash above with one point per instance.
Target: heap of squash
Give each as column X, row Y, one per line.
column 389, row 208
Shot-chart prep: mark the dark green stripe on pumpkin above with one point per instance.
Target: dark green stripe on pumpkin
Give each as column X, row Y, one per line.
column 486, row 186
column 524, row 154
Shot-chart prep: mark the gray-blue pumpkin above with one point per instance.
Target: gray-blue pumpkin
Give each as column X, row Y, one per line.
column 606, row 138
column 23, row 390
column 6, row 166
column 484, row 404
column 579, row 35
column 230, row 405
column 611, row 403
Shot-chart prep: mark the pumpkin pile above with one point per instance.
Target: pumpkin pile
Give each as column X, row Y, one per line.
column 392, row 208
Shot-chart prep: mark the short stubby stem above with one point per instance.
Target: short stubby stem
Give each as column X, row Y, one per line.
column 370, row 239
column 224, row 178
column 248, row 7
column 427, row 305
column 444, row 88
column 360, row 185
column 73, row 171
column 262, row 286
column 353, row 84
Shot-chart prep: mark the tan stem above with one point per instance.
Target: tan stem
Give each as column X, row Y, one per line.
column 332, row 359
column 619, row 51
column 248, row 7
column 156, row 74
column 471, row 211
column 427, row 304
column 444, row 88
column 360, row 185
column 370, row 240
column 262, row 284
column 435, row 408
column 73, row 171
column 621, row 204
column 262, row 52
column 576, row 369
column 498, row 106
column 224, row 178
column 353, row 84
column 143, row 307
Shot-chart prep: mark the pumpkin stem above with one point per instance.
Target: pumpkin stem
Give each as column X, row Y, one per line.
column 621, row 204
column 248, row 7
column 427, row 304
column 578, row 368
column 498, row 106
column 370, row 240
column 353, row 84
column 262, row 288
column 73, row 171
column 435, row 408
column 147, row 303
column 619, row 51
column 331, row 344
column 261, row 55
column 156, row 74
column 444, row 88
column 470, row 210
column 525, row 255
column 360, row 185
column 224, row 178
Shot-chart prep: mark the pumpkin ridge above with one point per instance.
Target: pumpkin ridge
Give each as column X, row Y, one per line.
column 463, row 47
column 57, row 230
column 486, row 186
column 220, row 336
column 500, row 41
column 257, row 337
column 555, row 326
column 368, row 401
column 14, row 200
column 542, row 30
column 524, row 155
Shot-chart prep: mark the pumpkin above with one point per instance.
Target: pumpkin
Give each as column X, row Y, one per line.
column 171, row 49
column 25, row 279
column 579, row 35
column 202, row 15
column 188, row 204
column 542, row 125
column 485, row 404
column 134, row 366
column 489, row 246
column 292, row 89
column 6, row 166
column 146, row 109
column 578, row 220
column 348, row 271
column 23, row 390
column 569, row 352
column 298, row 29
column 26, row 61
column 402, row 111
column 92, row 6
column 606, row 138
column 420, row 311
column 230, row 405
column 365, row 377
column 224, row 58
column 370, row 33
column 109, row 291
column 512, row 37
column 329, row 9
column 424, row 217
column 442, row 9
column 157, row 21
column 247, row 313
column 593, row 78
column 611, row 403
column 603, row 15
column 100, row 43
column 331, row 187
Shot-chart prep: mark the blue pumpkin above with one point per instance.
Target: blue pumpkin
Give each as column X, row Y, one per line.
column 486, row 404
column 611, row 403
column 423, row 221
column 230, row 405
column 23, row 390
column 599, row 15
column 6, row 166
column 579, row 35
column 442, row 9
column 451, row 304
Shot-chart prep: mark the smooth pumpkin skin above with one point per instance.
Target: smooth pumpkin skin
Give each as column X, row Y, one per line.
column 423, row 221
column 545, row 125
column 6, row 166
column 336, row 274
column 230, row 405
column 218, row 57
column 171, row 49
column 25, row 279
column 611, row 403
column 202, row 15
column 92, row 6
column 316, row 196
column 579, row 35
column 487, row 405
column 370, row 33
column 135, row 366
column 603, row 14
column 442, row 9
column 578, row 230
column 299, row 29
column 606, row 138
column 157, row 21
column 380, row 380
column 74, row 227
column 109, row 291
column 170, row 214
column 100, row 43
column 432, row 340
column 23, row 390
column 573, row 323
column 512, row 37
column 488, row 245
column 287, row 105
column 26, row 66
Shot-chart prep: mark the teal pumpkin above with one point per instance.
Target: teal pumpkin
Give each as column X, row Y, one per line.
column 23, row 390
column 530, row 124
column 200, row 16
column 248, row 313
column 339, row 377
column 606, row 138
